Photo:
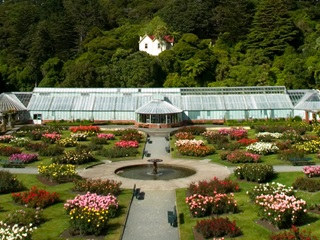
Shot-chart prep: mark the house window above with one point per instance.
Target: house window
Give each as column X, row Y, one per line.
column 146, row 45
column 159, row 46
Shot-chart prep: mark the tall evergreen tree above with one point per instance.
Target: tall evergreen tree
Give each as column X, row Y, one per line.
column 272, row 28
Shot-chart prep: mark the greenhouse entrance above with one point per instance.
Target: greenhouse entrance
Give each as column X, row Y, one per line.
column 158, row 114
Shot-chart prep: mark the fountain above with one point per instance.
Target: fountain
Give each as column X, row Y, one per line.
column 155, row 165
column 163, row 172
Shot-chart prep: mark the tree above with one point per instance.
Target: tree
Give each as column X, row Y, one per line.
column 189, row 16
column 272, row 28
column 232, row 19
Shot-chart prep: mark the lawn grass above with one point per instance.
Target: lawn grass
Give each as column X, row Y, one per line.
column 248, row 216
column 56, row 218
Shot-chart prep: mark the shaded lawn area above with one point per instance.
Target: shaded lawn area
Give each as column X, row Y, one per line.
column 56, row 218
column 248, row 216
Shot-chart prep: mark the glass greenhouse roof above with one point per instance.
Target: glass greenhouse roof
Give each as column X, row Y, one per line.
column 188, row 99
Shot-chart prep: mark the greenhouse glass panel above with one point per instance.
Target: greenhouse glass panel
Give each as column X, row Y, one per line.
column 192, row 103
column 84, row 103
column 260, row 101
column 104, row 103
column 126, row 103
column 40, row 102
column 62, row 103
column 213, row 102
column 277, row 101
column 234, row 102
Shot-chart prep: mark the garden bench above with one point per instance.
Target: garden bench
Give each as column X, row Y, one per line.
column 167, row 149
column 149, row 140
column 167, row 138
column 136, row 192
column 17, row 163
column 301, row 161
column 172, row 217
column 147, row 154
column 4, row 162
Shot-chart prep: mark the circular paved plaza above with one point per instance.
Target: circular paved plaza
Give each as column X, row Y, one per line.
column 204, row 171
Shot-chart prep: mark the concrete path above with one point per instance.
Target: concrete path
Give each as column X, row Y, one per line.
column 148, row 217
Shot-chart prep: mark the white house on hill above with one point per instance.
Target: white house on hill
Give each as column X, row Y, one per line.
column 154, row 46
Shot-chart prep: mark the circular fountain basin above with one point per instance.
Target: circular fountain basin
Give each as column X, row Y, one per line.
column 164, row 172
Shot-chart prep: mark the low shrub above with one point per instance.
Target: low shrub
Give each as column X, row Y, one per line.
column 238, row 156
column 294, row 233
column 15, row 231
column 6, row 138
column 74, row 157
column 8, row 150
column 90, row 130
column 79, row 136
column 131, row 136
column 268, row 136
column 290, row 153
column 24, row 157
column 213, row 137
column 194, row 148
column 215, row 185
column 308, row 147
column 108, row 136
column 35, row 134
column 98, row 186
column 51, row 137
column 23, row 217
column 35, row 198
column 217, row 227
column 9, row 183
column 52, row 150
column 283, row 145
column 246, row 141
column 97, row 140
column 184, row 135
column 311, row 171
column 89, row 213
column 270, row 189
column 127, row 144
column 194, row 130
column 67, row 142
column 58, row 172
column 262, row 148
column 35, row 147
column 307, row 184
column 254, row 172
column 281, row 210
column 218, row 203
column 19, row 142
column 238, row 133
column 117, row 152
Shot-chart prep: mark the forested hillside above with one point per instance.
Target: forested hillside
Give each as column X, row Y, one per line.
column 94, row 43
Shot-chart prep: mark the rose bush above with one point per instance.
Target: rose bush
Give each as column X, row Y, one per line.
column 89, row 213
column 262, row 148
column 24, row 157
column 35, row 198
column 58, row 172
column 281, row 210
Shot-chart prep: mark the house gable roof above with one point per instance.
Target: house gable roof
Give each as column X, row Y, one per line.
column 166, row 38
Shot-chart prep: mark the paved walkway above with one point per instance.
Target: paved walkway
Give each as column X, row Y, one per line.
column 148, row 217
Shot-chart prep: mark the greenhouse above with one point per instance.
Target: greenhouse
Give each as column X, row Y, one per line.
column 166, row 107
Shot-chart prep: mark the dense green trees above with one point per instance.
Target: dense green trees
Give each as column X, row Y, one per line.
column 94, row 43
